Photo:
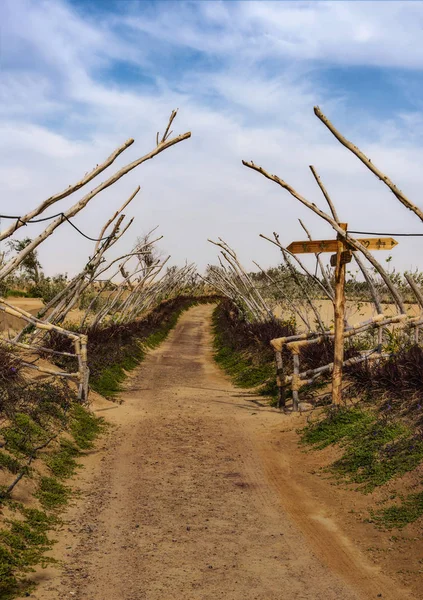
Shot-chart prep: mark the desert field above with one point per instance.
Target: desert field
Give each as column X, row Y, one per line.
column 10, row 325
column 355, row 312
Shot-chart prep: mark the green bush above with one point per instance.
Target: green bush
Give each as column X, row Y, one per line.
column 375, row 449
column 400, row 515
column 23, row 545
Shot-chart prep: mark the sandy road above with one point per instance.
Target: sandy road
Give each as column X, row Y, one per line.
column 188, row 499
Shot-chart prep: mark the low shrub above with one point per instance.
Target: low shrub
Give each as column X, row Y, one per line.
column 394, row 383
column 375, row 450
column 35, row 416
column 52, row 493
column 399, row 515
column 243, row 349
column 23, row 545
column 16, row 294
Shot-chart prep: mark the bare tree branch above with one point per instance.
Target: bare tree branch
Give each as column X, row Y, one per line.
column 366, row 161
column 69, row 190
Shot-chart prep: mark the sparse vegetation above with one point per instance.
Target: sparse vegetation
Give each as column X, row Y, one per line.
column 52, row 493
column 84, row 426
column 375, row 448
column 62, row 462
column 399, row 515
column 44, row 422
column 242, row 349
column 134, row 306
column 24, row 543
column 380, row 438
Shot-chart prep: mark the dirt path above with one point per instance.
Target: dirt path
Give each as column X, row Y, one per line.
column 192, row 498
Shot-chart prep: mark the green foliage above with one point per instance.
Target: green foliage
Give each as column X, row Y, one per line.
column 368, row 460
column 30, row 265
column 85, row 426
column 85, row 299
column 108, row 382
column 23, row 435
column 36, row 415
column 270, row 388
column 23, row 545
column 400, row 515
column 395, row 341
column 62, row 463
column 52, row 493
column 16, row 294
column 376, row 449
column 47, row 288
column 242, row 368
column 337, row 425
column 9, row 462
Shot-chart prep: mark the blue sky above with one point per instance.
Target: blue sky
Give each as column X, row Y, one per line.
column 79, row 77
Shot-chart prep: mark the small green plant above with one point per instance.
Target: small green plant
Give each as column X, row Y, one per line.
column 23, row 544
column 52, row 493
column 9, row 462
column 85, row 426
column 376, row 449
column 23, row 435
column 376, row 456
column 108, row 383
column 242, row 369
column 338, row 424
column 400, row 515
column 63, row 462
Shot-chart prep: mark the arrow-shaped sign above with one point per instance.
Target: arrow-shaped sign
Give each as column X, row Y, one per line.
column 317, row 246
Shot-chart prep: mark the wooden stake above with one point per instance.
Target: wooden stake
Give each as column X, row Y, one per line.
column 295, row 383
column 280, row 379
column 339, row 312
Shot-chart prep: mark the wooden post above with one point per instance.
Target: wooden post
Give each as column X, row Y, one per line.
column 379, row 339
column 280, row 379
column 295, row 383
column 339, row 312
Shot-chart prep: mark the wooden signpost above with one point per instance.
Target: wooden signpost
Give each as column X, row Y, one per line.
column 339, row 260
column 317, row 246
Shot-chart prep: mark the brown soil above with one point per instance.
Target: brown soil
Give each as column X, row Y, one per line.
column 200, row 492
column 11, row 325
column 355, row 312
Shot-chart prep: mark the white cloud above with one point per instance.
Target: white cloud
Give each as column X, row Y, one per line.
column 32, row 138
column 60, row 118
column 359, row 32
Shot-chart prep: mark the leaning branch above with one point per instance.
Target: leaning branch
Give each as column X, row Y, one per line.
column 366, row 161
column 163, row 145
column 67, row 192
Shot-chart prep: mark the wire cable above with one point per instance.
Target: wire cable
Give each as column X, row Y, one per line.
column 19, row 220
column 380, row 234
column 83, row 234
